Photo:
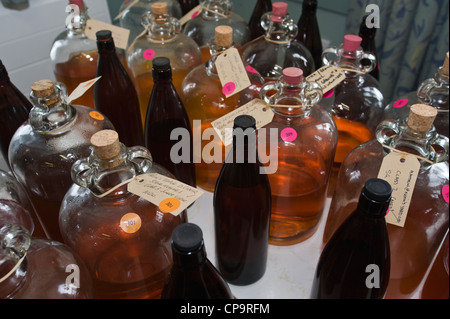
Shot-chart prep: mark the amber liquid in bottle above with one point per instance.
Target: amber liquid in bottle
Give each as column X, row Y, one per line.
column 351, row 134
column 115, row 95
column 166, row 114
column 79, row 68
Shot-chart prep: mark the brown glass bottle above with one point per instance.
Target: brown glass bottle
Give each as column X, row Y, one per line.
column 14, row 109
column 114, row 93
column 368, row 45
column 242, row 205
column 261, row 7
column 356, row 261
column 187, row 5
column 165, row 114
column 308, row 31
column 192, row 275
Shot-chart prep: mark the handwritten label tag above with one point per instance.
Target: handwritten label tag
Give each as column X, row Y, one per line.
column 81, row 89
column 191, row 14
column 327, row 77
column 232, row 73
column 120, row 35
column 401, row 171
column 256, row 108
column 168, row 194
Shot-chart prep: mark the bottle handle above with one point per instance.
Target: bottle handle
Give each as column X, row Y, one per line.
column 423, row 92
column 386, row 130
column 81, row 173
column 265, row 89
column 313, row 93
column 371, row 66
column 141, row 158
column 326, row 60
column 440, row 153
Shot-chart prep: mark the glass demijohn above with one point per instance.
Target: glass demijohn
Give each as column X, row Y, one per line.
column 43, row 149
column 306, row 137
column 123, row 238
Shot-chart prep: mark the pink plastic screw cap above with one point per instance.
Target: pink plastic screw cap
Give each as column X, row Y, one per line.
column 279, row 11
column 351, row 42
column 293, row 75
column 79, row 3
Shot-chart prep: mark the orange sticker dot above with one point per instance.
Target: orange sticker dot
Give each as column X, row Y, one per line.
column 130, row 223
column 96, row 115
column 169, row 205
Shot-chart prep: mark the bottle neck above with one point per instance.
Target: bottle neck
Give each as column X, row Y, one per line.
column 106, row 47
column 163, row 76
column 309, row 7
column 4, row 76
column 189, row 261
column 51, row 113
column 244, row 146
column 414, row 142
column 371, row 208
column 161, row 27
column 77, row 24
column 435, row 91
column 215, row 51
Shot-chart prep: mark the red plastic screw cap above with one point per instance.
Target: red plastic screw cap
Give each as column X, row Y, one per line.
column 351, row 42
column 279, row 11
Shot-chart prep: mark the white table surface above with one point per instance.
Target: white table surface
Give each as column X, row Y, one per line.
column 290, row 269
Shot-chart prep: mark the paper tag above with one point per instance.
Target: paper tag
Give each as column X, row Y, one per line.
column 120, row 35
column 169, row 195
column 256, row 108
column 191, row 14
column 327, row 77
column 232, row 73
column 81, row 89
column 401, row 171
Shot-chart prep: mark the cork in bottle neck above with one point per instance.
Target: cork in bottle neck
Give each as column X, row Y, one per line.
column 45, row 89
column 224, row 35
column 106, row 144
column 445, row 66
column 159, row 8
column 421, row 117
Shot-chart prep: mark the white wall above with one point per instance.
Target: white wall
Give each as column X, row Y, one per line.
column 26, row 37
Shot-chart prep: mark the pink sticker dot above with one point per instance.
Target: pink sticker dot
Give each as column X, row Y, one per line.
column 445, row 193
column 250, row 69
column 149, row 54
column 400, row 103
column 229, row 88
column 328, row 94
column 288, row 134
column 195, row 14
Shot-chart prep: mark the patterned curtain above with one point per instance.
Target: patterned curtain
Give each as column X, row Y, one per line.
column 411, row 42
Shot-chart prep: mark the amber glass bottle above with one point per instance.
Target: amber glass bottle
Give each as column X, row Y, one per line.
column 306, row 137
column 44, row 148
column 14, row 109
column 414, row 245
column 114, row 92
column 192, row 275
column 166, row 114
column 359, row 248
column 261, row 7
column 123, row 238
column 36, row 268
column 73, row 55
column 242, row 204
column 187, row 5
column 308, row 31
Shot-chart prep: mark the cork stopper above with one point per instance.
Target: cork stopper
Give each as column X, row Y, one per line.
column 279, row 11
column 351, row 42
column 293, row 75
column 445, row 65
column 224, row 35
column 106, row 144
column 421, row 117
column 43, row 88
column 159, row 8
